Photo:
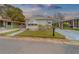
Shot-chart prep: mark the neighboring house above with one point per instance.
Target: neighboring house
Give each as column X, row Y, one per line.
column 35, row 22
column 7, row 23
column 72, row 21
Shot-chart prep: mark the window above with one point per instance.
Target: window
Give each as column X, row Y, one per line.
column 49, row 22
column 9, row 23
column 32, row 24
column 1, row 24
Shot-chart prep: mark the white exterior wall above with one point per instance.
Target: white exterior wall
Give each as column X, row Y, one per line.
column 32, row 27
column 38, row 22
column 44, row 22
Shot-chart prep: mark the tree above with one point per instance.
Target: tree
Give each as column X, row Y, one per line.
column 13, row 13
column 58, row 18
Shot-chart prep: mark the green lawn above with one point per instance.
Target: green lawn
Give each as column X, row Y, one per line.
column 68, row 28
column 41, row 33
column 77, row 29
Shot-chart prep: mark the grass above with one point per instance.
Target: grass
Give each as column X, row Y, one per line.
column 4, row 34
column 40, row 33
column 77, row 29
column 68, row 28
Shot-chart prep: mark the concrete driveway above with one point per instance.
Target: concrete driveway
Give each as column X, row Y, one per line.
column 11, row 46
column 69, row 34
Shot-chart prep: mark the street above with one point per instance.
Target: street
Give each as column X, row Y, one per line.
column 10, row 46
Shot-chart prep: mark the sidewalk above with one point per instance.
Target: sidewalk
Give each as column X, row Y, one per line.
column 7, row 30
column 15, row 33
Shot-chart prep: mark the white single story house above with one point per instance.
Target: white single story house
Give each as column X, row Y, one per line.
column 35, row 22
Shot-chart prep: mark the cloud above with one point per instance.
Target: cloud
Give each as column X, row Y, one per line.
column 74, row 14
column 37, row 9
column 53, row 6
column 70, row 12
column 32, row 11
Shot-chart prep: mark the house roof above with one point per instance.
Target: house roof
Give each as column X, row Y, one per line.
column 40, row 17
column 66, row 18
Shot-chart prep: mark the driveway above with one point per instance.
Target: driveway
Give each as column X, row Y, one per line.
column 69, row 34
column 11, row 46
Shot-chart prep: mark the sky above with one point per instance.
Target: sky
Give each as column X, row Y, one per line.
column 49, row 9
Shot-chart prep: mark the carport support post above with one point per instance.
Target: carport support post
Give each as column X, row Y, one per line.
column 73, row 23
column 59, row 24
column 62, row 25
column 11, row 24
column 4, row 24
column 77, row 23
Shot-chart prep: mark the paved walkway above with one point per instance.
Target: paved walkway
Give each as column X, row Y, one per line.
column 7, row 30
column 69, row 34
column 15, row 33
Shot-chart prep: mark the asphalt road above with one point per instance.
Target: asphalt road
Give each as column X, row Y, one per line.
column 8, row 46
